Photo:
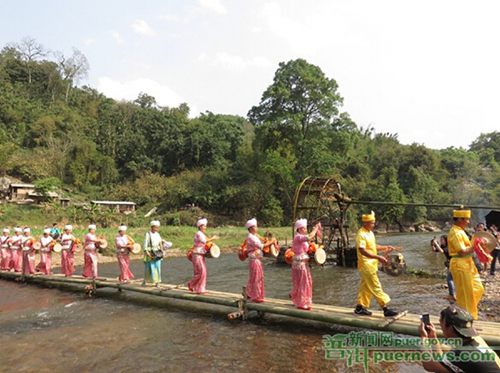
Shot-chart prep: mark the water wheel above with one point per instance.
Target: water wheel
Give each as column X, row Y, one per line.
column 321, row 200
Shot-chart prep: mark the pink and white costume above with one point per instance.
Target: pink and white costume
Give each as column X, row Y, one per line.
column 199, row 280
column 255, row 284
column 45, row 265
column 301, row 274
column 4, row 251
column 122, row 254
column 67, row 255
column 90, row 256
column 28, row 255
column 16, row 257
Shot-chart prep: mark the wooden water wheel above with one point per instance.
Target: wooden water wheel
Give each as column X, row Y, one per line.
column 322, row 200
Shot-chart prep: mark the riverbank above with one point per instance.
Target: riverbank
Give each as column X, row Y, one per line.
column 490, row 303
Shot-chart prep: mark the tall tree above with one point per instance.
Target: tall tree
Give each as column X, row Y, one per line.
column 300, row 100
column 30, row 50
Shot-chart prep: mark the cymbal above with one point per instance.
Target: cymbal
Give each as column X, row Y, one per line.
column 489, row 241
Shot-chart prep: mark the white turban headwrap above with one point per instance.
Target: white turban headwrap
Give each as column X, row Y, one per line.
column 122, row 228
column 26, row 230
column 6, row 230
column 301, row 223
column 92, row 226
column 251, row 223
column 201, row 222
column 17, row 229
column 46, row 230
column 155, row 223
column 68, row 227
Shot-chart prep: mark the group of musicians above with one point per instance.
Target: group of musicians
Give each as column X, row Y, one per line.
column 17, row 253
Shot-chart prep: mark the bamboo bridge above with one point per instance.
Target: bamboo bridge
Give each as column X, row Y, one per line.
column 406, row 323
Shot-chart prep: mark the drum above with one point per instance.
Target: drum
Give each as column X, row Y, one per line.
column 57, row 248
column 213, row 251
column 396, row 264
column 275, row 250
column 242, row 253
column 136, row 248
column 271, row 251
column 166, row 244
column 37, row 245
column 289, row 254
column 312, row 248
column 320, row 256
column 101, row 243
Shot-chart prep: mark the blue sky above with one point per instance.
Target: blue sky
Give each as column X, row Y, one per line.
column 427, row 70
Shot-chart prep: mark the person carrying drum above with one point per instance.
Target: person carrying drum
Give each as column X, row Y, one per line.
column 199, row 280
column 368, row 258
column 153, row 255
column 4, row 250
column 301, row 293
column 46, row 245
column 90, row 258
column 255, row 284
column 16, row 257
column 28, row 252
column 123, row 244
column 468, row 286
column 67, row 251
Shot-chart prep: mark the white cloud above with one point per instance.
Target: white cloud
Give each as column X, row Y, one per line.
column 215, row 6
column 169, row 17
column 88, row 42
column 129, row 90
column 117, row 38
column 233, row 62
column 141, row 27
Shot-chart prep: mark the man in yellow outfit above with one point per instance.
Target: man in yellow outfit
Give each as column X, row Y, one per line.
column 469, row 288
column 368, row 259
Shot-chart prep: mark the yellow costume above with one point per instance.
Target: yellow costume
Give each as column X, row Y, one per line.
column 469, row 288
column 370, row 285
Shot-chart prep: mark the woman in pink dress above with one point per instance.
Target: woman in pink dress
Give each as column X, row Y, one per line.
column 16, row 257
column 255, row 284
column 301, row 274
column 123, row 243
column 46, row 245
column 67, row 252
column 199, row 280
column 4, row 249
column 28, row 252
column 90, row 256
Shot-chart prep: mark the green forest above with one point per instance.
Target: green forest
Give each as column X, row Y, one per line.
column 61, row 135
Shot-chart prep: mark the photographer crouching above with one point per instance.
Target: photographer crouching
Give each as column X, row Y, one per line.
column 470, row 354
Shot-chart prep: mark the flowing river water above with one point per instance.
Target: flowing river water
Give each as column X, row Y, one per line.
column 50, row 330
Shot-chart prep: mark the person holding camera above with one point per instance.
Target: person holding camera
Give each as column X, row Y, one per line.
column 456, row 324
column 153, row 255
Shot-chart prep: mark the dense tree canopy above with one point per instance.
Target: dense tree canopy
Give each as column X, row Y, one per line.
column 55, row 133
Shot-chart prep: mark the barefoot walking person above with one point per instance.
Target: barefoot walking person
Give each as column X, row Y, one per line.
column 123, row 243
column 255, row 284
column 67, row 251
column 90, row 257
column 28, row 252
column 368, row 258
column 16, row 257
column 199, row 280
column 152, row 262
column 301, row 293
column 4, row 249
column 46, row 245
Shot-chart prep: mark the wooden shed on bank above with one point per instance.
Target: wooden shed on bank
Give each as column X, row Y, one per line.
column 20, row 192
column 125, row 207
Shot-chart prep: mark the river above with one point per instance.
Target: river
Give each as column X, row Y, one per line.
column 50, row 330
